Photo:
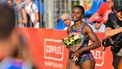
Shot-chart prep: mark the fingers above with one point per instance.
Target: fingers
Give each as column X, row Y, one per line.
column 76, row 53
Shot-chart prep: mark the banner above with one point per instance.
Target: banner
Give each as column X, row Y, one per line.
column 48, row 52
column 103, row 58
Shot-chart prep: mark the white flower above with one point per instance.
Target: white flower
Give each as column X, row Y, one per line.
column 72, row 39
column 77, row 37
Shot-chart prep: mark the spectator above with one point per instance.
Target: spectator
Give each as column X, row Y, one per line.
column 32, row 11
column 66, row 20
column 97, row 26
column 10, row 3
column 21, row 16
column 63, row 22
column 103, row 11
column 114, row 31
column 8, row 34
column 60, row 25
column 9, row 40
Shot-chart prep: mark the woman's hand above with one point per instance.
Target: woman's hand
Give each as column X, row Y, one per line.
column 78, row 52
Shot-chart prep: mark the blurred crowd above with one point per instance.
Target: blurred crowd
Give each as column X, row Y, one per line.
column 27, row 13
column 96, row 21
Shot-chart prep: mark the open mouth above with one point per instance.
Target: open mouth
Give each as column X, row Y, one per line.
column 120, row 16
column 74, row 17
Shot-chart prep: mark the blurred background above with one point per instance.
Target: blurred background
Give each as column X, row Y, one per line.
column 50, row 11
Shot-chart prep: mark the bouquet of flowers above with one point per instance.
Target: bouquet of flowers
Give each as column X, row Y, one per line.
column 72, row 39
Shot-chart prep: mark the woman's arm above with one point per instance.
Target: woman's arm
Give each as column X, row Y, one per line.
column 96, row 43
column 36, row 13
column 36, row 17
column 24, row 16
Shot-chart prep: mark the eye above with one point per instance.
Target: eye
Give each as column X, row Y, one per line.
column 78, row 12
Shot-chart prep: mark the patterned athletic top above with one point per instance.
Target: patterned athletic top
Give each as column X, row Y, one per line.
column 85, row 39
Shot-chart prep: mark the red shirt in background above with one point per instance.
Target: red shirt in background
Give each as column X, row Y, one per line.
column 104, row 10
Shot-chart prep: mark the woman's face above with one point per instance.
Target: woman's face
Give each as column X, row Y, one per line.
column 77, row 14
column 119, row 14
column 10, row 3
